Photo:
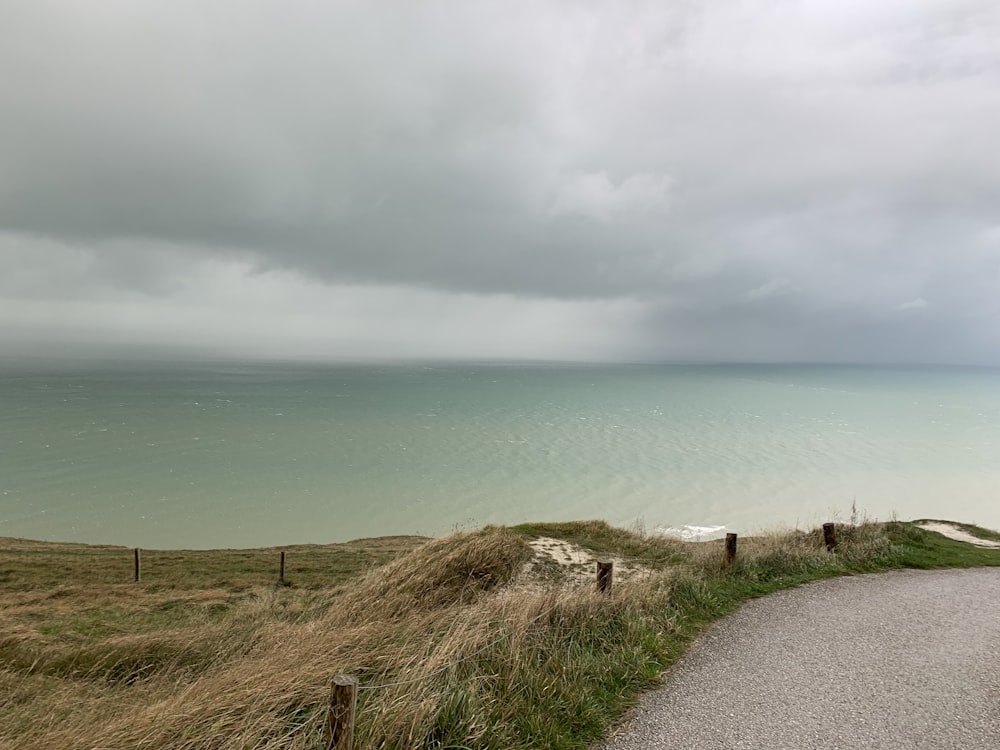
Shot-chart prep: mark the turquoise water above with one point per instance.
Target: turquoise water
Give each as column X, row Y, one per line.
column 258, row 454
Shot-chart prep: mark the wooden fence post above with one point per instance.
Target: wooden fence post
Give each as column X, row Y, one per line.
column 730, row 550
column 281, row 575
column 340, row 718
column 605, row 573
column 829, row 537
column 138, row 565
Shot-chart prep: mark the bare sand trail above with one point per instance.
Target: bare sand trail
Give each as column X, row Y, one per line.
column 958, row 534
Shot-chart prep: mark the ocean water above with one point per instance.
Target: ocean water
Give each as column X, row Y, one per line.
column 237, row 455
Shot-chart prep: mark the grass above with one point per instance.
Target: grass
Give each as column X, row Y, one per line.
column 455, row 641
column 922, row 549
column 28, row 565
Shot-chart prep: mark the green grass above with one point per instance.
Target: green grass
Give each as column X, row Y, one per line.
column 457, row 642
column 917, row 548
column 27, row 565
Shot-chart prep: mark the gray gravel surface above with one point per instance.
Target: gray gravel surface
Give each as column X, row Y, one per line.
column 906, row 659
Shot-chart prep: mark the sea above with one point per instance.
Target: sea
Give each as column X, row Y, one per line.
column 195, row 455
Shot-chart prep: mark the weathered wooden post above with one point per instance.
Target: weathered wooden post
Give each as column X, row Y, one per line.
column 829, row 537
column 605, row 574
column 281, row 574
column 730, row 550
column 138, row 565
column 340, row 718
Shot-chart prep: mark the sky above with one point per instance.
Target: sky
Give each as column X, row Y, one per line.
column 639, row 181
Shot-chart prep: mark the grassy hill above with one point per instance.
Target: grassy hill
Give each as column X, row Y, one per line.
column 477, row 640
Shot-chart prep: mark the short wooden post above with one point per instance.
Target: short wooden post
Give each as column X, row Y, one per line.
column 340, row 718
column 829, row 537
column 138, row 565
column 281, row 574
column 605, row 574
column 730, row 550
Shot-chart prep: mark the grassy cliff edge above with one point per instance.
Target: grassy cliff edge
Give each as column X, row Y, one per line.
column 476, row 640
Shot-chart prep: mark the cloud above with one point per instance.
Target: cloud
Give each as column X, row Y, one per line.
column 810, row 160
column 770, row 289
column 914, row 304
column 231, row 308
column 594, row 196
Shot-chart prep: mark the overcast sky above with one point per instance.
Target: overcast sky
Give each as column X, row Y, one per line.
column 710, row 180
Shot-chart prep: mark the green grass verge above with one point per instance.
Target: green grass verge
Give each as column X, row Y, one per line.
column 917, row 548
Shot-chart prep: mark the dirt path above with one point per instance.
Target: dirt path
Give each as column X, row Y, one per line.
column 907, row 660
column 959, row 534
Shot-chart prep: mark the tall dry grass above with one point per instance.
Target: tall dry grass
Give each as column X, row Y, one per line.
column 453, row 649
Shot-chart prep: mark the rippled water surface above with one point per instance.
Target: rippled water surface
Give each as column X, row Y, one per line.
column 242, row 455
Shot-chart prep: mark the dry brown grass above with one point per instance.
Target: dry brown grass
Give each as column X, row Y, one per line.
column 258, row 678
column 453, row 648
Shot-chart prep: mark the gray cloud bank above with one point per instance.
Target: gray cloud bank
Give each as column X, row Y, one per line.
column 712, row 180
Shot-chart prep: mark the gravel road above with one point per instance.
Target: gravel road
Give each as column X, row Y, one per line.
column 904, row 660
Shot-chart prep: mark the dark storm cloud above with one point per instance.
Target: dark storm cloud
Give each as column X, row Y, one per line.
column 763, row 179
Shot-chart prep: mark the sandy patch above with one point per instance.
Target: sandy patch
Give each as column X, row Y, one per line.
column 561, row 552
column 960, row 535
column 570, row 563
